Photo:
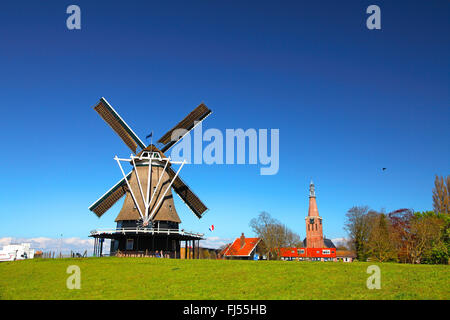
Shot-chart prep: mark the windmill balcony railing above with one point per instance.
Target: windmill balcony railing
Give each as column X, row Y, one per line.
column 161, row 231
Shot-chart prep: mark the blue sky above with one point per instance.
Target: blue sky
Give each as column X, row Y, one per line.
column 347, row 101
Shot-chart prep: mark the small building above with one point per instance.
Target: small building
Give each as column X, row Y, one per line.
column 242, row 248
column 18, row 251
column 345, row 255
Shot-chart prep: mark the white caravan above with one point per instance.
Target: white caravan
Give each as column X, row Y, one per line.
column 14, row 252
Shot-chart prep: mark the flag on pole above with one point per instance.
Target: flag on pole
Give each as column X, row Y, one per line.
column 211, row 228
column 150, row 135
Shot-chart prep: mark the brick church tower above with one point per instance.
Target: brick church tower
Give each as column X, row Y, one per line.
column 314, row 233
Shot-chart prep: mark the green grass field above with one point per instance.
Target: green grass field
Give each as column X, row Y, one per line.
column 152, row 278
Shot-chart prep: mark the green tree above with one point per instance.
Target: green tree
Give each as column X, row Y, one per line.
column 426, row 231
column 439, row 250
column 380, row 244
column 357, row 226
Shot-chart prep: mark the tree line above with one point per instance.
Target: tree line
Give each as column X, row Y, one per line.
column 403, row 235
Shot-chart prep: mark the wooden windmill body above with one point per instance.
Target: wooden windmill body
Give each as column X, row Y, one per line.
column 148, row 222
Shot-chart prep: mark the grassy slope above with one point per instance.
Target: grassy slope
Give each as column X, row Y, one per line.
column 151, row 278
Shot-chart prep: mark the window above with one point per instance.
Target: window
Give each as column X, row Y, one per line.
column 325, row 251
column 115, row 244
column 130, row 244
column 301, row 251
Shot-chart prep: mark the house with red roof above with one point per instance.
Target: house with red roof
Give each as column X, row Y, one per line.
column 242, row 248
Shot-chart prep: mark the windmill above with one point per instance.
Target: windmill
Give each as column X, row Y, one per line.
column 148, row 220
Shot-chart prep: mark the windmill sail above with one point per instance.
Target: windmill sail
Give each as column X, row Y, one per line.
column 186, row 194
column 188, row 123
column 111, row 117
column 107, row 200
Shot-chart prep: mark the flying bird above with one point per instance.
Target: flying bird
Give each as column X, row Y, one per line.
column 384, row 169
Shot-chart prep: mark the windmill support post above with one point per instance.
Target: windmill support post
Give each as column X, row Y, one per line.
column 193, row 250
column 139, row 183
column 165, row 192
column 149, row 183
column 129, row 187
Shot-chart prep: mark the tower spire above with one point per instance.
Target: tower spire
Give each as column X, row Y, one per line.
column 312, row 191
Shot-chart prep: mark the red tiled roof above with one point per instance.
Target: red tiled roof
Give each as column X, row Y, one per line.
column 236, row 250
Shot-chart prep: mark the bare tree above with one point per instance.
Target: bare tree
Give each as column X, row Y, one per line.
column 441, row 195
column 273, row 234
column 291, row 238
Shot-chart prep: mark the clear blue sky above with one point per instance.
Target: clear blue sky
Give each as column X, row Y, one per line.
column 348, row 101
